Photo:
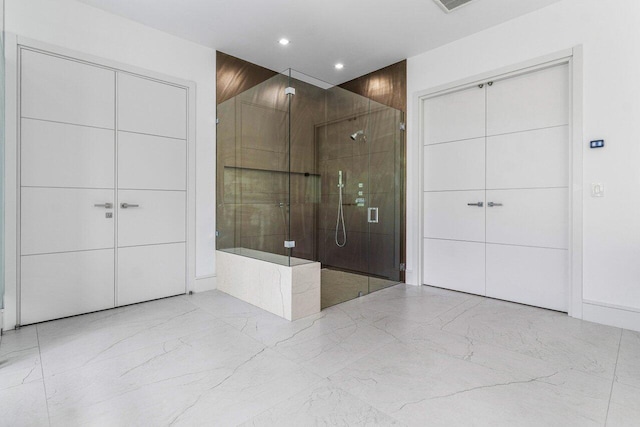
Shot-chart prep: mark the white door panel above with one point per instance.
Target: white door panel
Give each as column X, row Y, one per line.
column 151, row 272
column 150, row 107
column 62, row 155
column 159, row 218
column 529, row 159
column 66, row 284
column 455, row 116
column 65, row 219
column 459, row 266
column 448, row 216
column 68, row 91
column 151, row 162
column 533, row 276
column 535, row 100
column 537, row 217
column 455, row 165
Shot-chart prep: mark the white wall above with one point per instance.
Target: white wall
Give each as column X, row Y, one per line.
column 73, row 25
column 611, row 39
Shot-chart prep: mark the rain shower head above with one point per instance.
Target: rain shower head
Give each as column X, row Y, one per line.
column 354, row 136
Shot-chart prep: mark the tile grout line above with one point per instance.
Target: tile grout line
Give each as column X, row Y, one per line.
column 44, row 386
column 613, row 380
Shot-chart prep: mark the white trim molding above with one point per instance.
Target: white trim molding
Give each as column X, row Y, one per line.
column 612, row 315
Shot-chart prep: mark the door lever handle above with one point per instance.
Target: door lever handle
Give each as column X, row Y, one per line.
column 479, row 204
column 104, row 205
column 491, row 204
column 127, row 205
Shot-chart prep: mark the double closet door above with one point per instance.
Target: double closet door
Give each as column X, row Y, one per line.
column 103, row 165
column 496, row 197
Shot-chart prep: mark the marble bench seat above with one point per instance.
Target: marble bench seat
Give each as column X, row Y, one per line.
column 289, row 288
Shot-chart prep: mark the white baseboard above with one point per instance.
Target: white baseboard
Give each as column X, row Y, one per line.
column 621, row 317
column 203, row 284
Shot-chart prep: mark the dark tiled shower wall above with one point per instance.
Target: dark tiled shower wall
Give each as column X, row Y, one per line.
column 370, row 167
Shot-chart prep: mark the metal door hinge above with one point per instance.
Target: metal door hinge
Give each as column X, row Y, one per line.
column 403, row 126
column 290, row 91
column 289, row 244
column 403, row 266
column 217, row 121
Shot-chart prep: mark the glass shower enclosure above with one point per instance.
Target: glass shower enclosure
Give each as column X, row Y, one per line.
column 306, row 172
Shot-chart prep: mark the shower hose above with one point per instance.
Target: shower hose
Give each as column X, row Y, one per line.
column 340, row 217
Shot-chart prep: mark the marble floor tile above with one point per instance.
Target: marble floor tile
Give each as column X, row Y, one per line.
column 62, row 351
column 624, row 409
column 420, row 304
column 323, row 405
column 332, row 341
column 401, row 356
column 217, row 377
column 24, row 405
column 628, row 369
column 423, row 387
column 547, row 335
column 19, row 358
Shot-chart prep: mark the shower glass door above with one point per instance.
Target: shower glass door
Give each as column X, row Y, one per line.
column 359, row 159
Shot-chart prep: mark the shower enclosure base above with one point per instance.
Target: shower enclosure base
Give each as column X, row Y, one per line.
column 289, row 289
column 339, row 286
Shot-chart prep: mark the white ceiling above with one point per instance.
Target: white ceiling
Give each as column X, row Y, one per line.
column 365, row 35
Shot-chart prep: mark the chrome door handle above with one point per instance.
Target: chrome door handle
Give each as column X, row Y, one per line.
column 127, row 205
column 491, row 204
column 479, row 204
column 104, row 205
column 372, row 215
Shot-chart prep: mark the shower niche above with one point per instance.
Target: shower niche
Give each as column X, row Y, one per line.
column 310, row 173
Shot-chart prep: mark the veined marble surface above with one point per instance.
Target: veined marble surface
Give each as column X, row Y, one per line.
column 401, row 356
column 292, row 292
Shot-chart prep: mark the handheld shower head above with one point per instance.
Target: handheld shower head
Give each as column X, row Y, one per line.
column 354, row 136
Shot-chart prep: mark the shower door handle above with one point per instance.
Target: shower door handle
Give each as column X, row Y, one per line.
column 372, row 215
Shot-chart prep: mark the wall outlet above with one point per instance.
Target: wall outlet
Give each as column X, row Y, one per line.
column 597, row 190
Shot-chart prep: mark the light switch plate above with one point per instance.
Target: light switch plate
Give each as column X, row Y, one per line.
column 597, row 189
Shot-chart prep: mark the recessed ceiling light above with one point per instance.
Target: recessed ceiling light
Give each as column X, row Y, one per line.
column 284, row 42
column 339, row 66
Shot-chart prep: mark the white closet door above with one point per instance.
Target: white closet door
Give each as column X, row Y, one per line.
column 65, row 220
column 151, row 162
column 66, row 284
column 151, row 107
column 530, row 101
column 68, row 91
column 67, row 149
column 458, row 165
column 454, row 116
column 151, row 272
column 447, row 215
column 531, row 159
column 152, row 176
column 455, row 265
column 160, row 217
column 533, row 276
column 532, row 217
column 61, row 155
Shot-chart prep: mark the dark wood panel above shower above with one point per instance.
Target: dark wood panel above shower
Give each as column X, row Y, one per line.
column 388, row 86
column 235, row 75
